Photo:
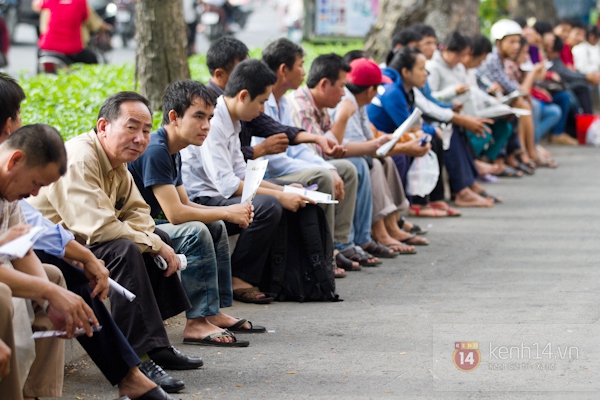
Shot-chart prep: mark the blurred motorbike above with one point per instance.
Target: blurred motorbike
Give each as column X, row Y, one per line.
column 217, row 16
column 125, row 20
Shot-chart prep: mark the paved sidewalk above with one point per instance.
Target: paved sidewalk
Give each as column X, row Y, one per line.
column 528, row 266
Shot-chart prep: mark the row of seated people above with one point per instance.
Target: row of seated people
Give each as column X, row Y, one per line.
column 116, row 197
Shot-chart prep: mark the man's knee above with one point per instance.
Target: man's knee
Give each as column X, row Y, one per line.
column 55, row 275
column 267, row 208
column 5, row 297
column 323, row 178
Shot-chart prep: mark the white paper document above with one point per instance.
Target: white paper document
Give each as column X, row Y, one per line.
column 412, row 120
column 318, row 197
column 62, row 334
column 255, row 172
column 121, row 290
column 18, row 247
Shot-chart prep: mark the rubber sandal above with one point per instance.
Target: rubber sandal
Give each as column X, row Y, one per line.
column 525, row 168
column 209, row 340
column 339, row 275
column 248, row 295
column 239, row 327
column 450, row 211
column 378, row 250
column 546, row 163
column 416, row 229
column 415, row 211
column 510, row 172
column 341, row 261
column 490, row 196
column 357, row 254
column 419, row 242
column 402, row 249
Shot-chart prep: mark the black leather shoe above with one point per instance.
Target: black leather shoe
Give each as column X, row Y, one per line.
column 155, row 394
column 171, row 358
column 157, row 375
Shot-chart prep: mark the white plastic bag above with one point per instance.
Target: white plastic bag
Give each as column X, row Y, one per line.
column 593, row 134
column 423, row 175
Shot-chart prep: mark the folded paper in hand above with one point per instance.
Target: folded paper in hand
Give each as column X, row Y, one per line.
column 413, row 120
column 62, row 334
column 18, row 247
column 319, row 197
column 255, row 172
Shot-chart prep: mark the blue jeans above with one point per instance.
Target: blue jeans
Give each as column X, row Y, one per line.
column 545, row 117
column 459, row 162
column 363, row 213
column 207, row 278
column 563, row 100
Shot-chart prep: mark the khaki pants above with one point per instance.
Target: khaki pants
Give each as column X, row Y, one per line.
column 339, row 217
column 10, row 385
column 388, row 192
column 47, row 372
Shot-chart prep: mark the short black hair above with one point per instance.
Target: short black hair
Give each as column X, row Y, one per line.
column 405, row 36
column 11, row 96
column 424, row 29
column 406, row 57
column 180, row 95
column 592, row 30
column 522, row 21
column 456, row 42
column 41, row 144
column 577, row 24
column 565, row 21
column 224, row 53
column 480, row 45
column 354, row 55
column 251, row 75
column 355, row 89
column 326, row 66
column 282, row 51
column 542, row 27
column 558, row 44
column 111, row 108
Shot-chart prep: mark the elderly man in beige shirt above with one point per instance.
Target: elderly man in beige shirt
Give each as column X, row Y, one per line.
column 99, row 202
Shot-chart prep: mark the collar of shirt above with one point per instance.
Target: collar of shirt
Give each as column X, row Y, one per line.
column 321, row 115
column 223, row 120
column 105, row 165
column 216, row 89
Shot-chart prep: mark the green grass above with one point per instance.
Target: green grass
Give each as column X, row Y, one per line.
column 70, row 101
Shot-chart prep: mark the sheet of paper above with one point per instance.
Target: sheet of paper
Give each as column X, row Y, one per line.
column 18, row 247
column 50, row 334
column 411, row 121
column 121, row 290
column 255, row 172
column 319, row 197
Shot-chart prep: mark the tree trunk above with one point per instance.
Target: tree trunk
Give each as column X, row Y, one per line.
column 542, row 10
column 161, row 40
column 443, row 15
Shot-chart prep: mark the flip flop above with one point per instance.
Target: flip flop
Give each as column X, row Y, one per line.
column 239, row 327
column 357, row 254
column 401, row 249
column 209, row 340
column 341, row 261
column 510, row 172
column 416, row 229
column 248, row 295
column 490, row 196
column 411, row 241
column 451, row 212
column 415, row 211
column 546, row 163
column 339, row 274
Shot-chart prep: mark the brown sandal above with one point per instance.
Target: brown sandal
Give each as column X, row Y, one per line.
column 248, row 295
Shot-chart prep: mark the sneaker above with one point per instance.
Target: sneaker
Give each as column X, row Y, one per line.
column 157, row 375
column 563, row 139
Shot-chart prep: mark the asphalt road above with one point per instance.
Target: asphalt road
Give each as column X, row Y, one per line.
column 262, row 27
column 521, row 275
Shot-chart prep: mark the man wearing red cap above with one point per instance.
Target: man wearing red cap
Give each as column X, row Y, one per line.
column 389, row 199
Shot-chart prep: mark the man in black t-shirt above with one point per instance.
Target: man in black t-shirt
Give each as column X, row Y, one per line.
column 197, row 231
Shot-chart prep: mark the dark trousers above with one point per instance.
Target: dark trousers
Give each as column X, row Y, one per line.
column 254, row 243
column 459, row 162
column 85, row 56
column 108, row 348
column 403, row 164
column 157, row 297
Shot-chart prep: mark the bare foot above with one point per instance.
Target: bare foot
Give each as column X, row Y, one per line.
column 486, row 168
column 198, row 328
column 237, row 283
column 468, row 198
column 135, row 384
column 224, row 321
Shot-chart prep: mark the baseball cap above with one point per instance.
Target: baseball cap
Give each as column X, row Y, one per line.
column 366, row 72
